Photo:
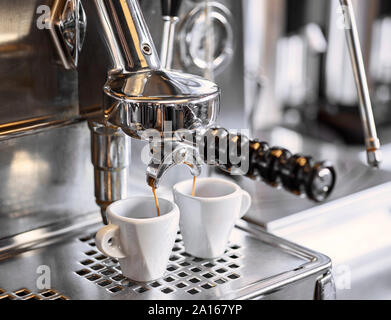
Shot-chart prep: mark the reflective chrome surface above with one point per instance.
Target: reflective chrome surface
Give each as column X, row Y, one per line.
column 160, row 100
column 167, row 51
column 167, row 155
column 68, row 27
column 139, row 95
column 35, row 91
column 92, row 76
column 193, row 38
column 372, row 141
column 127, row 35
column 46, row 177
column 110, row 157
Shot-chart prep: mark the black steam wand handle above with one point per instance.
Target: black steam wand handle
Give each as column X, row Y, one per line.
column 170, row 13
column 278, row 167
column 170, row 8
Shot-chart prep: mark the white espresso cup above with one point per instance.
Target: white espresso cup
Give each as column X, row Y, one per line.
column 138, row 238
column 208, row 218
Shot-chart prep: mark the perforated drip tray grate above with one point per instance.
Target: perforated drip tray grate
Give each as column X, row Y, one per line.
column 186, row 274
column 255, row 264
column 25, row 294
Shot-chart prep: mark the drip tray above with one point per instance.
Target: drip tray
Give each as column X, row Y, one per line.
column 255, row 265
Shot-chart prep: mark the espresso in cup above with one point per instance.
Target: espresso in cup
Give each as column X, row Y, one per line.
column 138, row 238
column 208, row 218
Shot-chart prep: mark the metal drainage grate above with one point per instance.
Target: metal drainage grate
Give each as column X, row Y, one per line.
column 184, row 272
column 25, row 294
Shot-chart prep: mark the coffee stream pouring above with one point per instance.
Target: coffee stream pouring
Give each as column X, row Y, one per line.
column 147, row 102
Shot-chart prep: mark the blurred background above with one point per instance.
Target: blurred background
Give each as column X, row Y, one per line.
column 300, row 92
column 297, row 52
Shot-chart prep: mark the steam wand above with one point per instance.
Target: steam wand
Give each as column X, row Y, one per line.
column 372, row 141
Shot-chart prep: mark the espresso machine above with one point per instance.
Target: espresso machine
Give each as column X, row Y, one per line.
column 57, row 120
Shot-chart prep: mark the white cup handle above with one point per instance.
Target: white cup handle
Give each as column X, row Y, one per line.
column 246, row 203
column 107, row 241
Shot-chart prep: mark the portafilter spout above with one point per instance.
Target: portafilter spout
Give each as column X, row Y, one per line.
column 169, row 154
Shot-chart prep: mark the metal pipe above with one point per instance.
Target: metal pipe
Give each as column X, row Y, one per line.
column 127, row 35
column 209, row 43
column 110, row 157
column 372, row 141
column 170, row 13
column 168, row 37
column 111, row 43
